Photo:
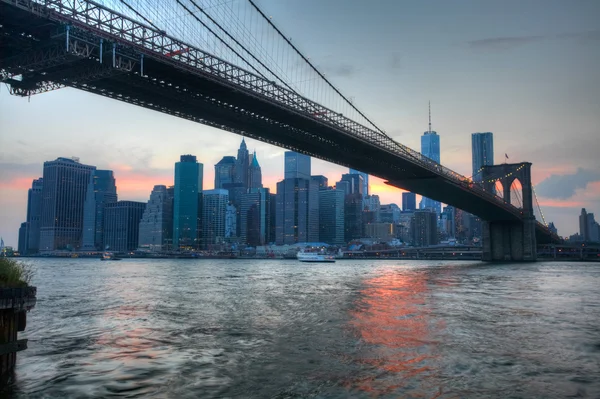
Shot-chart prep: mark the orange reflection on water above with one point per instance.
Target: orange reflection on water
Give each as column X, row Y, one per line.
column 392, row 318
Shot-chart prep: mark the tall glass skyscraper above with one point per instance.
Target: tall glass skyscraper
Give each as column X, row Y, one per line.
column 331, row 216
column 296, row 165
column 297, row 209
column 482, row 146
column 101, row 190
column 409, row 201
column 63, row 197
column 122, row 225
column 188, row 186
column 254, row 173
column 214, row 210
column 225, row 171
column 430, row 147
column 365, row 176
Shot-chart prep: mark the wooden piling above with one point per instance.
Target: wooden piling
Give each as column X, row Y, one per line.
column 14, row 304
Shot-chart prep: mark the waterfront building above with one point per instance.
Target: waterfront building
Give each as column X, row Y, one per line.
column 156, row 225
column 22, row 244
column 101, row 190
column 225, row 171
column 589, row 230
column 385, row 232
column 122, row 225
column 353, row 216
column 214, row 212
column 331, row 216
column 482, row 148
column 186, row 202
column 424, row 228
column 34, row 215
column 64, row 189
column 552, row 228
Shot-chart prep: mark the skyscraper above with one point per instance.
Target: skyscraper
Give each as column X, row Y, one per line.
column 409, row 201
column 389, row 213
column 482, row 147
column 63, row 196
column 357, row 184
column 256, row 217
column 156, row 225
column 22, row 245
column 322, row 181
column 297, row 214
column 188, row 186
column 242, row 165
column 424, row 228
column 231, row 214
column 331, row 216
column 430, row 147
column 34, row 214
column 353, row 213
column 214, row 209
column 101, row 190
column 254, row 173
column 297, row 166
column 365, row 176
column 122, row 225
column 225, row 171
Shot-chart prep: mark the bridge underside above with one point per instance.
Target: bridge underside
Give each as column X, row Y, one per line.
column 35, row 47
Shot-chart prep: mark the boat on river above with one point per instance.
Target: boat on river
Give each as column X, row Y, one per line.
column 109, row 256
column 307, row 255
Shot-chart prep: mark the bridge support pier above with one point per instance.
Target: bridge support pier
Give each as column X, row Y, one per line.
column 510, row 240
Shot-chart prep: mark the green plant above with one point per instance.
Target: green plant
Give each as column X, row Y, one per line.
column 14, row 274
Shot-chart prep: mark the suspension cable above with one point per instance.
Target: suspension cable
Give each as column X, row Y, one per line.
column 239, row 44
column 316, row 70
column 221, row 39
column 141, row 16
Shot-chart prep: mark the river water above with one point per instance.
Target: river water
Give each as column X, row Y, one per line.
column 282, row 329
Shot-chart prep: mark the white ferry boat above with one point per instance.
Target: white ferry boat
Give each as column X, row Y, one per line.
column 308, row 256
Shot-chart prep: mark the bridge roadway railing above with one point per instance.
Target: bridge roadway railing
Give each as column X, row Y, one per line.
column 108, row 24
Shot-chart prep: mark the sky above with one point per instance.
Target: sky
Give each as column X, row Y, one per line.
column 526, row 71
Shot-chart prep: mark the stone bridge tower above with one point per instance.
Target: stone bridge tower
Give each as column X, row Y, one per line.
column 510, row 240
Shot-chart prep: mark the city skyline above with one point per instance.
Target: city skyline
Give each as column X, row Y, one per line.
column 494, row 78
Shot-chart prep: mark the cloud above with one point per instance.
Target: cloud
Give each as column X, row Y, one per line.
column 503, row 43
column 564, row 186
column 508, row 42
column 587, row 36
